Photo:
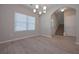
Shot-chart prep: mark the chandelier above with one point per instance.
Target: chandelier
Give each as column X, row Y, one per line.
column 39, row 10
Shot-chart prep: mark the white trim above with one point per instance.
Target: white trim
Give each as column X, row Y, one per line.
column 68, row 34
column 77, row 43
column 45, row 35
column 18, row 38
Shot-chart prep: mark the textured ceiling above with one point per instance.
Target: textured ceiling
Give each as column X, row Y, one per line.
column 49, row 6
column 32, row 6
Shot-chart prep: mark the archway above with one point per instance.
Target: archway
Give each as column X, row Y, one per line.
column 63, row 21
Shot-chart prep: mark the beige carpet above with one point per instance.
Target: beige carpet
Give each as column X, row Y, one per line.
column 41, row 45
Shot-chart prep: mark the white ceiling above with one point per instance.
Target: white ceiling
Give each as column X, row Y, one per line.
column 49, row 6
column 32, row 6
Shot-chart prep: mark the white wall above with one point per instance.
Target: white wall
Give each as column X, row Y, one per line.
column 54, row 23
column 1, row 34
column 77, row 24
column 7, row 22
column 69, row 23
column 45, row 25
column 56, row 19
column 61, row 18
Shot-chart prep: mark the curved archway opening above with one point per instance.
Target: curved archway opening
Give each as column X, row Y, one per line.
column 63, row 21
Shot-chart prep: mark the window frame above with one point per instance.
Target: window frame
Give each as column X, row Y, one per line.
column 26, row 22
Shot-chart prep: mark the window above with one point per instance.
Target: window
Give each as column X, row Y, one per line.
column 20, row 22
column 31, row 23
column 24, row 22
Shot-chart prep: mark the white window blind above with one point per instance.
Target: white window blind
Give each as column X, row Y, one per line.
column 24, row 22
column 31, row 23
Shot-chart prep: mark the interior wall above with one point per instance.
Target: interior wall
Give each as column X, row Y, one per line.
column 7, row 22
column 54, row 23
column 69, row 22
column 45, row 25
column 61, row 18
column 57, row 18
column 1, row 34
column 77, row 24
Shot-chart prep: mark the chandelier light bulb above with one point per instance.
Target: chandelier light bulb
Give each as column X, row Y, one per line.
column 62, row 10
column 37, row 6
column 34, row 10
column 41, row 10
column 40, row 13
column 44, row 11
column 44, row 8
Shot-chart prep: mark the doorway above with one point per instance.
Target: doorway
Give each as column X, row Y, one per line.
column 58, row 22
column 60, row 30
column 63, row 21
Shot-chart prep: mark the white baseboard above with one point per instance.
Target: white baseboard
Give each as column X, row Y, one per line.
column 18, row 39
column 46, row 35
column 68, row 34
column 77, row 43
column 25, row 37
